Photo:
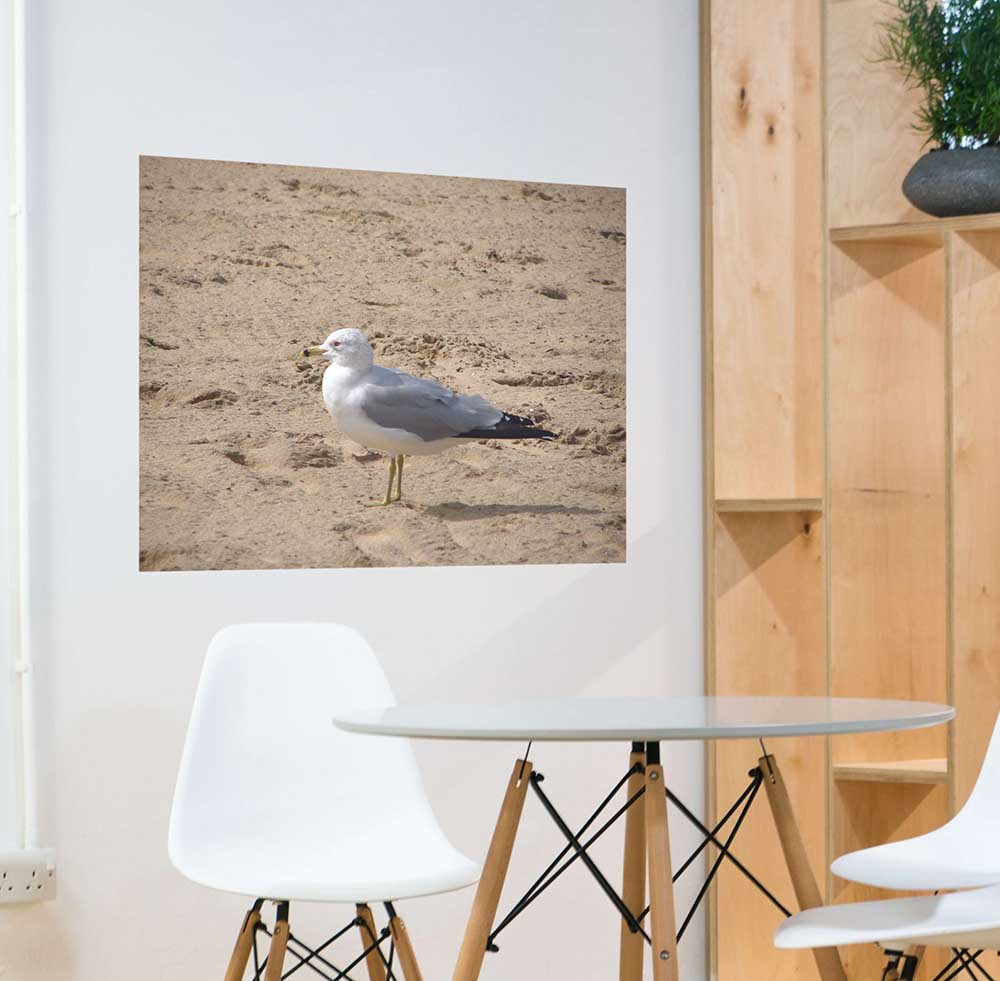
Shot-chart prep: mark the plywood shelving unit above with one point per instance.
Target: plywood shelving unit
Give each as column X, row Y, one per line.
column 852, row 448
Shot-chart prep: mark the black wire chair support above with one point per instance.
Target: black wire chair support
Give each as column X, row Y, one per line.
column 306, row 956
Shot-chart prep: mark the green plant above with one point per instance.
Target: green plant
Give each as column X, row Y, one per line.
column 951, row 50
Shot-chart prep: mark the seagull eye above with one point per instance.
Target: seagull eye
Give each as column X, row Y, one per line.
column 336, row 343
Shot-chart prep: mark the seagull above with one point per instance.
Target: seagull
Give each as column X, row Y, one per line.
column 400, row 414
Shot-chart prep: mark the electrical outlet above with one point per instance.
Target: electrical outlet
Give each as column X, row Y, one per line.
column 27, row 875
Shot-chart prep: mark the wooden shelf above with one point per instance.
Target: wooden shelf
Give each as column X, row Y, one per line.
column 930, row 232
column 774, row 504
column 893, row 771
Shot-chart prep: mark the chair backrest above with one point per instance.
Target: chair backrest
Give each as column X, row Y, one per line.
column 263, row 758
column 984, row 801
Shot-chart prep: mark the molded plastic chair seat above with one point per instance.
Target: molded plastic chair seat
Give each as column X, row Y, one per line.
column 962, row 854
column 404, row 865
column 955, row 856
column 961, row 920
column 275, row 802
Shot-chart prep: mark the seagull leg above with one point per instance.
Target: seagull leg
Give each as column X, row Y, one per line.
column 388, row 493
column 399, row 478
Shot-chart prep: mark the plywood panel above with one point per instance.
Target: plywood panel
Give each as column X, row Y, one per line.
column 866, row 814
column 887, row 517
column 770, row 637
column 870, row 112
column 766, row 243
column 975, row 264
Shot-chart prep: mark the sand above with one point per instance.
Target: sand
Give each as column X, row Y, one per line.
column 513, row 291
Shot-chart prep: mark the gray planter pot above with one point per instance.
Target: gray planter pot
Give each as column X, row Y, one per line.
column 947, row 183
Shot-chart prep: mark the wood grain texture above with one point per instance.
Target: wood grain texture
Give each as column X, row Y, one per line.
column 404, row 948
column 276, row 952
column 770, row 625
column 806, row 504
column 926, row 231
column 871, row 143
column 766, row 248
column 243, row 946
column 368, row 933
column 484, row 906
column 894, row 771
column 800, row 869
column 662, row 918
column 632, row 946
column 975, row 308
column 887, row 515
column 867, row 814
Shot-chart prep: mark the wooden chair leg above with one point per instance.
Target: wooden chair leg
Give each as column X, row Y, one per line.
column 407, row 958
column 484, row 906
column 366, row 926
column 279, row 942
column 244, row 943
column 807, row 892
column 632, row 947
column 663, row 922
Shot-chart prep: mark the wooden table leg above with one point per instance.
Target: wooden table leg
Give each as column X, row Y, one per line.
column 244, row 943
column 484, row 906
column 803, row 881
column 376, row 968
column 632, row 948
column 663, row 922
column 407, row 958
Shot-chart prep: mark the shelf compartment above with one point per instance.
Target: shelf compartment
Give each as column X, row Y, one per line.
column 934, row 770
column 748, row 505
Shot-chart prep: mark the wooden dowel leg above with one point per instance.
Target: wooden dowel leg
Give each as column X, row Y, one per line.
column 244, row 943
column 279, row 941
column 632, row 947
column 407, row 958
column 376, row 968
column 803, row 881
column 484, row 906
column 663, row 922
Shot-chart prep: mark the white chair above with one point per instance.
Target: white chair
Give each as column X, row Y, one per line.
column 272, row 801
column 961, row 854
column 967, row 922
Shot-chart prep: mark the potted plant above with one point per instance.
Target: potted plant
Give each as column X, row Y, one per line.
column 951, row 50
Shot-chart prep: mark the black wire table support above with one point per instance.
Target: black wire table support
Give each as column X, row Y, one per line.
column 578, row 847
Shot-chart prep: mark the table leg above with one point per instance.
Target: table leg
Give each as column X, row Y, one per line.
column 484, row 906
column 634, row 876
column 661, row 887
column 803, row 881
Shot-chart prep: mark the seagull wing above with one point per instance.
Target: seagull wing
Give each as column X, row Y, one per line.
column 396, row 400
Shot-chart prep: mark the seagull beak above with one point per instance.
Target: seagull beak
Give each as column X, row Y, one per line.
column 311, row 352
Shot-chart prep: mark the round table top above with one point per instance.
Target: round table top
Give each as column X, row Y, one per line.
column 644, row 718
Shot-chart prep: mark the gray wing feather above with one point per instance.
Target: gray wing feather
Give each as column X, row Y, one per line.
column 395, row 400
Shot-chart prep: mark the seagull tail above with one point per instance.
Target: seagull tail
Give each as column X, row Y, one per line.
column 509, row 427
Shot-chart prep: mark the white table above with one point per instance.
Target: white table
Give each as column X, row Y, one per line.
column 644, row 722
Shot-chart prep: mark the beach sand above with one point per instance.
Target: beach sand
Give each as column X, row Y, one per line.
column 513, row 291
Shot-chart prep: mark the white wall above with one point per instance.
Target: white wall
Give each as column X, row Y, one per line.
column 8, row 413
column 590, row 92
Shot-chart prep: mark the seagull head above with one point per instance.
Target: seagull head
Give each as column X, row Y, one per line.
column 347, row 347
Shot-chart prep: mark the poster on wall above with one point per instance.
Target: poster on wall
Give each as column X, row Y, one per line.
column 350, row 368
